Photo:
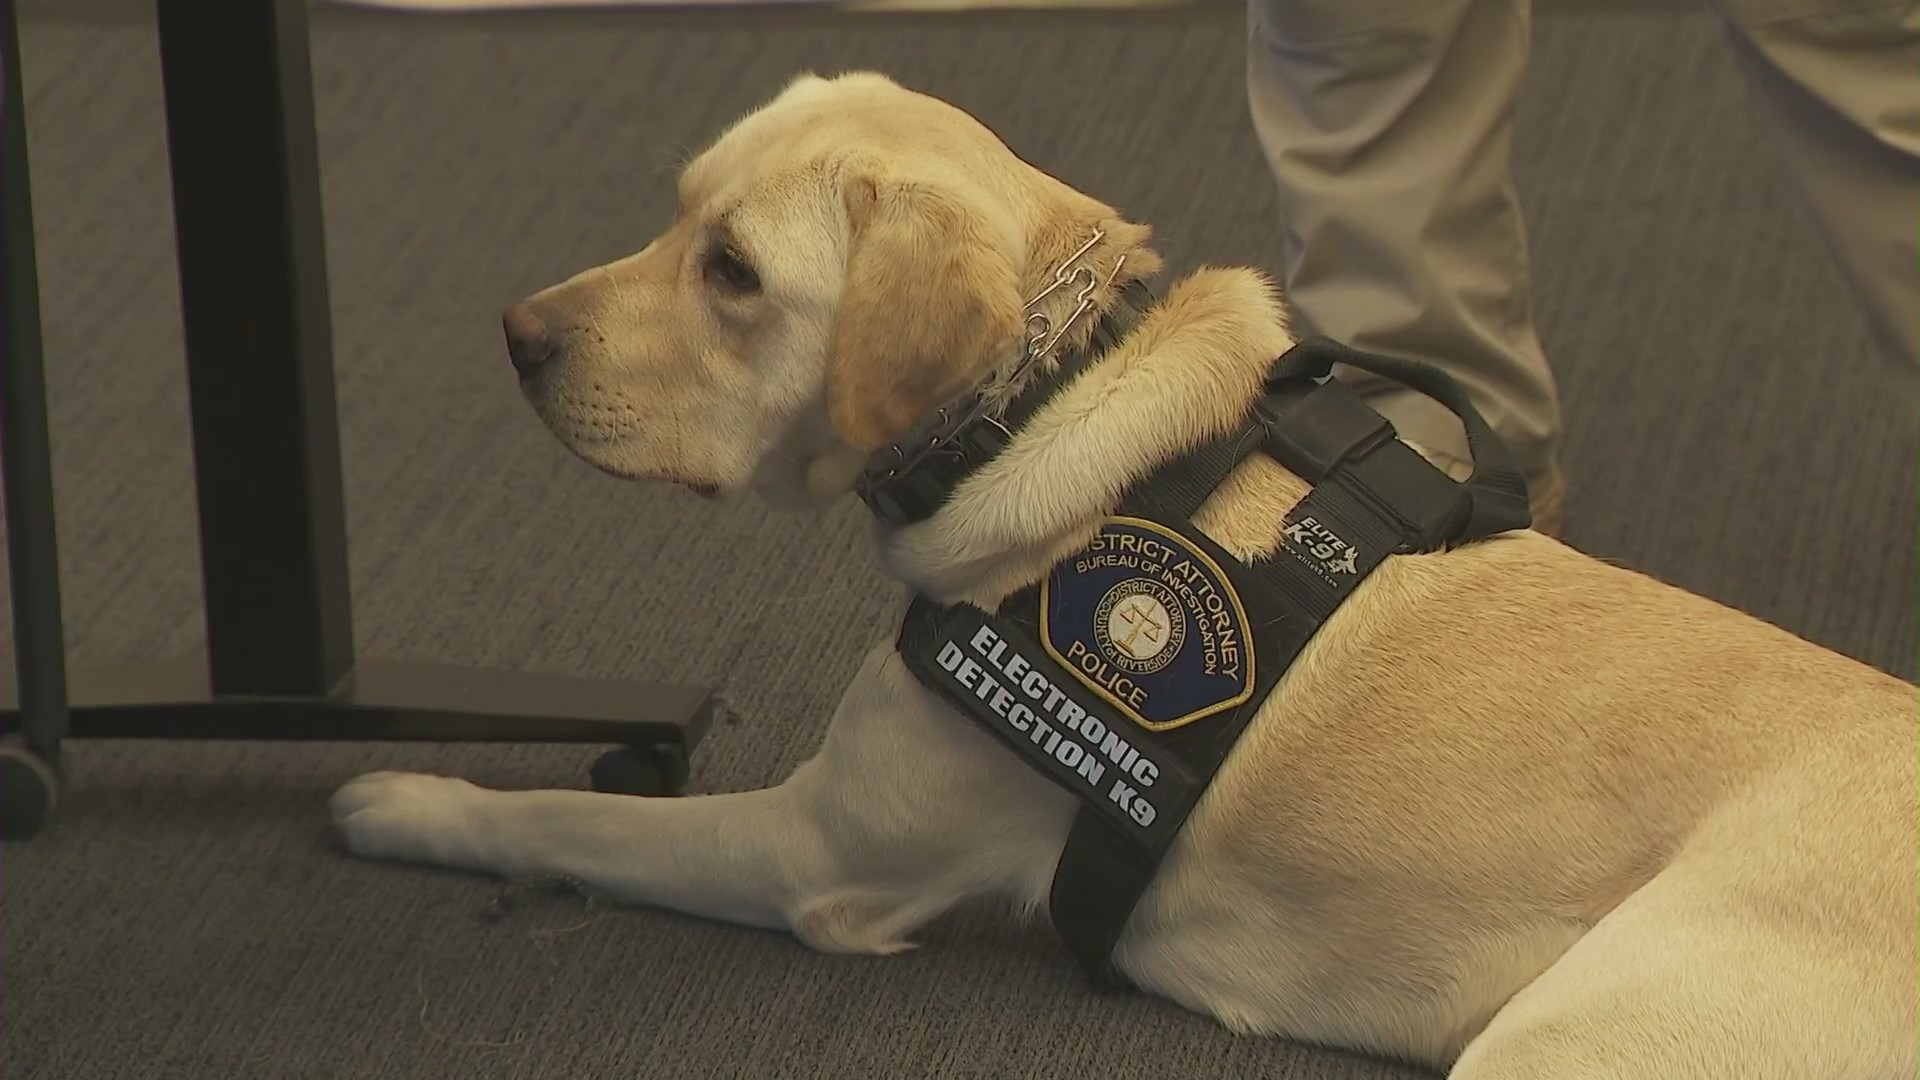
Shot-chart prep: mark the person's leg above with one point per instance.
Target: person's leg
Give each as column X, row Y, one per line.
column 1387, row 124
column 1841, row 81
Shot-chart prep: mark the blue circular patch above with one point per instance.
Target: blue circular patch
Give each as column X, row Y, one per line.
column 1147, row 620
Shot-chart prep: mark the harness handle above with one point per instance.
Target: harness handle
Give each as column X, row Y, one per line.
column 1495, row 491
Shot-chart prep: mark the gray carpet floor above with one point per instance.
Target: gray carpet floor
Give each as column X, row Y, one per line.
column 191, row 915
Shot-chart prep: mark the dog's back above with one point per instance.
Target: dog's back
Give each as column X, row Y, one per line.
column 1513, row 766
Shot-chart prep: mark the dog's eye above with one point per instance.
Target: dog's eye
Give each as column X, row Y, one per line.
column 726, row 268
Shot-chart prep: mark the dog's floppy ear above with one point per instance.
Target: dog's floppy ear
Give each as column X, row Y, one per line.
column 931, row 303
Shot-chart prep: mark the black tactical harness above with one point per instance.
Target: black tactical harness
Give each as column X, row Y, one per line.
column 1126, row 675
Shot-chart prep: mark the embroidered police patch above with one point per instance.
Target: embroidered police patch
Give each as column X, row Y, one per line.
column 1147, row 620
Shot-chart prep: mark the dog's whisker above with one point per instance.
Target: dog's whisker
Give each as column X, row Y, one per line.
column 674, row 158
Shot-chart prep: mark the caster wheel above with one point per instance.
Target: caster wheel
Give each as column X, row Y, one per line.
column 642, row 770
column 29, row 789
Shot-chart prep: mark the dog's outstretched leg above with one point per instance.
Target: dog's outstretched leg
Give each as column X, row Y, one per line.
column 728, row 857
column 904, row 812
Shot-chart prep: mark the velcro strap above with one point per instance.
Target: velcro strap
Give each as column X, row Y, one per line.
column 1313, row 432
column 1495, row 492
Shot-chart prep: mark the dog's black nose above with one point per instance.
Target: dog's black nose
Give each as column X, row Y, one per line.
column 527, row 341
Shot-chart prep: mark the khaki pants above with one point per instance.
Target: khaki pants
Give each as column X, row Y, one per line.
column 1388, row 125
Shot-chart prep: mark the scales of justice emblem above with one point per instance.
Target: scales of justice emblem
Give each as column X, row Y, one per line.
column 1140, row 626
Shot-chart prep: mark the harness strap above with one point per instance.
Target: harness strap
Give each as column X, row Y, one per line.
column 1372, row 497
column 1496, row 490
column 1383, row 497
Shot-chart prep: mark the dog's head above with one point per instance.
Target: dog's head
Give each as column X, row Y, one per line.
column 843, row 261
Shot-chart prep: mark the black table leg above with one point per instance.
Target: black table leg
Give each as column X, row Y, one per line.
column 253, row 300
column 25, row 450
column 280, row 661
column 29, row 760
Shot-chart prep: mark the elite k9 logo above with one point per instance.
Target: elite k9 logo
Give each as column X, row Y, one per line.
column 1321, row 548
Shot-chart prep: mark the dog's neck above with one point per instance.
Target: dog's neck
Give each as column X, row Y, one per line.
column 1080, row 307
column 1075, row 276
column 1185, row 375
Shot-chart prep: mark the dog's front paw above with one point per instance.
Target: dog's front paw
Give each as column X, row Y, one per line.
column 411, row 816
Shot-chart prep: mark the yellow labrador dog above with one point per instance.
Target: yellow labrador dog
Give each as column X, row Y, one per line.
column 1514, row 812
